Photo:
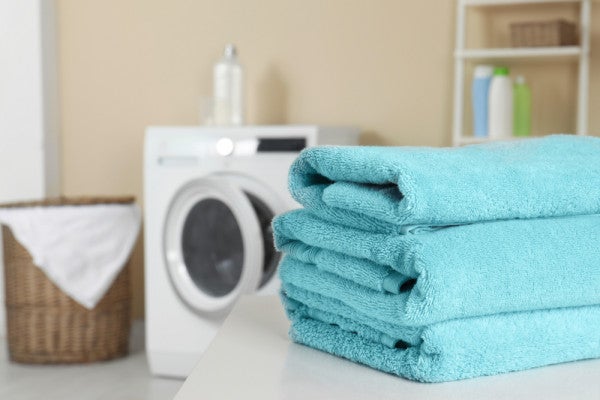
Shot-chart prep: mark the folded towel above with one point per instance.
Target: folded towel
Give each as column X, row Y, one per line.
column 443, row 264
column 457, row 349
column 329, row 309
column 381, row 188
column 461, row 271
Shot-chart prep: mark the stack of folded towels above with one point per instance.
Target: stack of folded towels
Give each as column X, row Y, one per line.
column 444, row 264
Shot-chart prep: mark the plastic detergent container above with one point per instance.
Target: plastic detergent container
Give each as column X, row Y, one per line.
column 500, row 104
column 482, row 78
column 522, row 108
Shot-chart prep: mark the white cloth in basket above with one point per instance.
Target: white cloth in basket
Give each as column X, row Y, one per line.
column 81, row 249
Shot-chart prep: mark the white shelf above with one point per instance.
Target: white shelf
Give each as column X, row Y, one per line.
column 463, row 55
column 475, row 140
column 522, row 52
column 510, row 2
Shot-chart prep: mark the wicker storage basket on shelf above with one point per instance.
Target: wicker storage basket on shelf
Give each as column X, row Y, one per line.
column 44, row 324
column 544, row 33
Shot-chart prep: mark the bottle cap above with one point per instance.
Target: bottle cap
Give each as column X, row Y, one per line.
column 483, row 71
column 230, row 51
column 501, row 71
column 520, row 80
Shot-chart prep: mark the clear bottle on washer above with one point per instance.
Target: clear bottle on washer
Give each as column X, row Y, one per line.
column 500, row 104
column 228, row 89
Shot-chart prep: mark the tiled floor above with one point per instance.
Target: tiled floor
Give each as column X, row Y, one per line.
column 124, row 379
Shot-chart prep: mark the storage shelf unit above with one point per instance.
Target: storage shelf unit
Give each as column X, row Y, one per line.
column 463, row 55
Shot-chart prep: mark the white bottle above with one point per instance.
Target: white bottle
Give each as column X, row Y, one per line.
column 500, row 104
column 227, row 89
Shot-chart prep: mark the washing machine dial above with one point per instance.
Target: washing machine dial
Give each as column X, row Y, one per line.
column 225, row 147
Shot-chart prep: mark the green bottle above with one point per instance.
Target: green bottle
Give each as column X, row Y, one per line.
column 522, row 108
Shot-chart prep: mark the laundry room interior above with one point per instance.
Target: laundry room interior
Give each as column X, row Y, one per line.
column 168, row 168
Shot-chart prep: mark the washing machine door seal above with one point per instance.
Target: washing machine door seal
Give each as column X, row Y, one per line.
column 210, row 245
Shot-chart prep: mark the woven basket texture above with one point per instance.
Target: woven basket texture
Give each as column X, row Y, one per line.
column 544, row 33
column 46, row 326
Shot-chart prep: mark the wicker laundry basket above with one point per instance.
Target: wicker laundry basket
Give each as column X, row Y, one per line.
column 44, row 324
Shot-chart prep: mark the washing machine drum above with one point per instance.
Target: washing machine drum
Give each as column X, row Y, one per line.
column 218, row 243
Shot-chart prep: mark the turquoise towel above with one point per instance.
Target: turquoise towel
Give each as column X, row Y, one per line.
column 457, row 349
column 461, row 271
column 381, row 188
column 332, row 310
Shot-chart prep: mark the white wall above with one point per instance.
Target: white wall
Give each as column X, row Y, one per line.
column 29, row 166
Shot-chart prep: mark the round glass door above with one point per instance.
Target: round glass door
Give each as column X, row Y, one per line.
column 267, row 203
column 211, row 245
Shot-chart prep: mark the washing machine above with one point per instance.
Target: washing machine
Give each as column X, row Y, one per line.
column 209, row 196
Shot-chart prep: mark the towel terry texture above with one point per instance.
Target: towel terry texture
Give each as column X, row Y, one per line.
column 462, row 348
column 462, row 271
column 444, row 264
column 386, row 187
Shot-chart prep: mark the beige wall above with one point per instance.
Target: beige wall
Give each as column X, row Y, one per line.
column 382, row 65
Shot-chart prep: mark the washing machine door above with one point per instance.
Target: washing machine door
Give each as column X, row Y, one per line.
column 212, row 245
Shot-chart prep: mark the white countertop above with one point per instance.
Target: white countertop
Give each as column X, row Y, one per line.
column 252, row 358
